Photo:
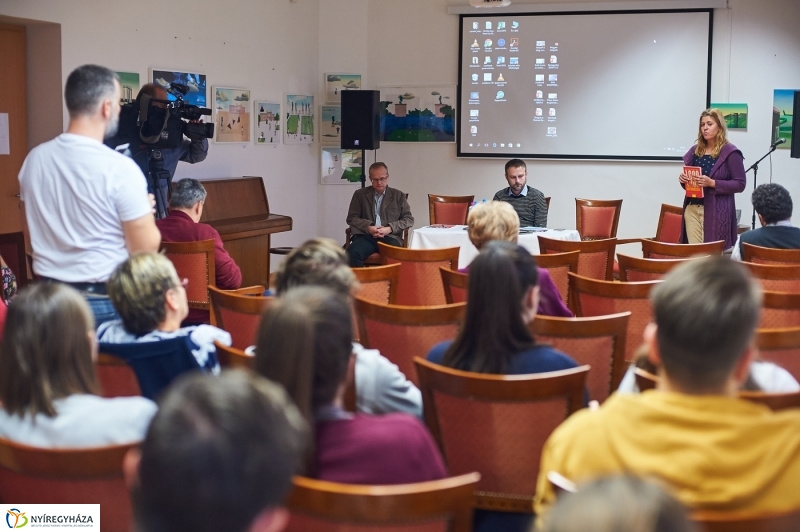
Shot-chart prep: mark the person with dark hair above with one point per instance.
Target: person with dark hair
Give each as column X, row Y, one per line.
column 183, row 225
column 529, row 203
column 622, row 503
column 219, row 455
column 716, row 451
column 305, row 343
column 86, row 205
column 377, row 214
column 48, row 388
column 773, row 205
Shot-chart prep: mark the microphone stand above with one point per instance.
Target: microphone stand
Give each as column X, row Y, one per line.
column 754, row 168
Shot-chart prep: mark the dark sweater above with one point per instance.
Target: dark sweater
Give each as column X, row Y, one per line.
column 531, row 209
column 771, row 236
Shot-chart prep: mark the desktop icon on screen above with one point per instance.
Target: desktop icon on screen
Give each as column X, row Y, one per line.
column 538, row 111
column 538, row 94
column 515, row 24
column 487, row 60
column 540, row 60
column 500, row 95
column 500, row 77
column 494, row 144
column 487, row 76
column 551, row 112
column 539, row 78
column 513, row 60
column 473, row 129
column 501, row 60
column 487, row 43
column 474, row 95
column 553, row 78
column 552, row 96
column 475, row 44
column 474, row 59
column 502, row 144
column 488, row 25
column 501, row 42
column 475, row 26
column 539, row 44
column 474, row 77
column 553, row 59
column 551, row 131
column 473, row 113
column 514, row 42
column 501, row 25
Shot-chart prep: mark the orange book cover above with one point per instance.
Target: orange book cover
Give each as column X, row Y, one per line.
column 693, row 190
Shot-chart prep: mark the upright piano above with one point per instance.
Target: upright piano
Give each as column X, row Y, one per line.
column 238, row 209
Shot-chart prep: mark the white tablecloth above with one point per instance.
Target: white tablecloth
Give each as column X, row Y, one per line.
column 430, row 238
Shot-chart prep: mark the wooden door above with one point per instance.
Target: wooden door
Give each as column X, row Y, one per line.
column 13, row 100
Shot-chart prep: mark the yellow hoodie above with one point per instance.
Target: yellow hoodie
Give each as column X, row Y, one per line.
column 717, row 453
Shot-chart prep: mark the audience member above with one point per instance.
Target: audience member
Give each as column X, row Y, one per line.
column 380, row 385
column 9, row 282
column 219, row 455
column 498, row 221
column 183, row 225
column 773, row 204
column 151, row 300
column 305, row 344
column 529, row 203
column 86, row 205
column 716, row 451
column 619, row 504
column 48, row 388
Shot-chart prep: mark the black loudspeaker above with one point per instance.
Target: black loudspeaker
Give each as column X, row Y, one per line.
column 361, row 120
column 795, row 153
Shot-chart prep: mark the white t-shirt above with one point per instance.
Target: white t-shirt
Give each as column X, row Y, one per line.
column 82, row 420
column 77, row 193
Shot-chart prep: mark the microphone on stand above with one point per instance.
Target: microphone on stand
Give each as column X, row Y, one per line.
column 778, row 143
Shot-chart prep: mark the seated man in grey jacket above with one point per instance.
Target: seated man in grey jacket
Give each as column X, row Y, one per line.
column 380, row 386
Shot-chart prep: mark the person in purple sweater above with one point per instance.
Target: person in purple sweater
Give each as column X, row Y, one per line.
column 305, row 343
column 713, row 217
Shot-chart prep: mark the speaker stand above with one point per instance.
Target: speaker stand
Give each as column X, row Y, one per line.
column 363, row 168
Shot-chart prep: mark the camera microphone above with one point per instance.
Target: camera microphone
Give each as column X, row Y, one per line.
column 778, row 143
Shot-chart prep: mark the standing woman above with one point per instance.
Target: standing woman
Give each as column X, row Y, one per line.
column 713, row 217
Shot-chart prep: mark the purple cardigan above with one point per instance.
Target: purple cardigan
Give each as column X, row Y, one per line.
column 719, row 221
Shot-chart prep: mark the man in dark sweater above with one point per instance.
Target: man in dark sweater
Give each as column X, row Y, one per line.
column 773, row 204
column 529, row 203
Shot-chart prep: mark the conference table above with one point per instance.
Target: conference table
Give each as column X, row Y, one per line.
column 432, row 237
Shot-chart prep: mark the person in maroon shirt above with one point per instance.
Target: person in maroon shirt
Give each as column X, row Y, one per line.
column 183, row 225
column 305, row 343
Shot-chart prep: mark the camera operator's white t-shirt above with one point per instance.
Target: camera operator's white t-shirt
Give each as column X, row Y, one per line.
column 77, row 193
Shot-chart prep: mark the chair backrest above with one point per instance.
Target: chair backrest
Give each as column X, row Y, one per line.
column 781, row 346
column 12, row 249
column 601, row 298
column 659, row 250
column 497, row 425
column 780, row 310
column 645, row 380
column 670, row 221
column 438, row 505
column 402, row 333
column 558, row 265
column 773, row 401
column 598, row 342
column 455, row 285
column 378, row 283
column 238, row 314
column 731, row 522
column 776, row 277
column 451, row 210
column 547, row 203
column 596, row 259
column 194, row 261
column 597, row 219
column 761, row 255
column 230, row 357
column 116, row 377
column 158, row 363
column 632, row 269
column 68, row 476
column 420, row 282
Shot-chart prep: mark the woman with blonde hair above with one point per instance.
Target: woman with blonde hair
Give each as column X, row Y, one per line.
column 713, row 217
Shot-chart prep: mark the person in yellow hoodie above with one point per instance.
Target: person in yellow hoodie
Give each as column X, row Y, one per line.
column 716, row 452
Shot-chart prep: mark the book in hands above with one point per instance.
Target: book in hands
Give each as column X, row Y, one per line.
column 693, row 190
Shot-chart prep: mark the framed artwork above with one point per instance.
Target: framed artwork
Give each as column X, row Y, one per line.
column 196, row 83
column 783, row 100
column 418, row 114
column 129, row 85
column 339, row 167
column 267, row 122
column 735, row 114
column 231, row 115
column 330, row 124
column 298, row 113
column 336, row 83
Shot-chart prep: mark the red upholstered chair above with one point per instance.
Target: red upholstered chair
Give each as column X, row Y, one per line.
column 439, row 505
column 670, row 221
column 659, row 250
column 420, row 280
column 402, row 333
column 781, row 346
column 558, row 265
column 497, row 425
column 68, row 476
column 598, row 342
column 759, row 255
column 116, row 377
column 449, row 210
column 12, row 249
column 194, row 261
column 780, row 310
column 596, row 259
column 776, row 277
column 547, row 202
column 597, row 219
column 230, row 357
column 455, row 285
column 773, row 401
column 378, row 283
column 238, row 314
column 601, row 298
column 738, row 522
column 632, row 269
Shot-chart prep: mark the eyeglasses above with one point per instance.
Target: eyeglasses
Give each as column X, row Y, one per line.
column 379, row 179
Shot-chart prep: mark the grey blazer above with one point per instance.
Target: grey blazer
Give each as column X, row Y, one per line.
column 395, row 212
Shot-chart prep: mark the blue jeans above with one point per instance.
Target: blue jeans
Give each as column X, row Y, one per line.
column 101, row 307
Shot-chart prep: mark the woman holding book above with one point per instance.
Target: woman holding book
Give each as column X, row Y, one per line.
column 712, row 217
